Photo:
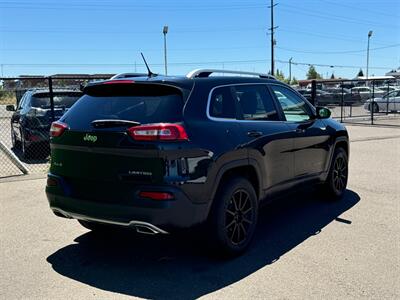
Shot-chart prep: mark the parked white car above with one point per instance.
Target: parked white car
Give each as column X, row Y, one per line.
column 365, row 92
column 389, row 102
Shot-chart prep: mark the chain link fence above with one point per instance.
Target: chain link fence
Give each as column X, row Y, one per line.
column 28, row 106
column 374, row 102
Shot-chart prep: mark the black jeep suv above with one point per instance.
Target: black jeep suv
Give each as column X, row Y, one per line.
column 164, row 153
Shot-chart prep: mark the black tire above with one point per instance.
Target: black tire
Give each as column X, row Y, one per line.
column 336, row 183
column 233, row 218
column 27, row 151
column 15, row 144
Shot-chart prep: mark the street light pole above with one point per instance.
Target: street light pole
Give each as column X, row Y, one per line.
column 165, row 31
column 369, row 36
column 290, row 70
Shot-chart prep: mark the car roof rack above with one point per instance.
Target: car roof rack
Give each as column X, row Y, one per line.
column 127, row 75
column 208, row 72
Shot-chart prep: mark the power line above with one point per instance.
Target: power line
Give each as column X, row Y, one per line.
column 130, row 49
column 330, row 36
column 113, row 7
column 118, row 31
column 336, row 18
column 254, row 61
column 358, row 8
column 337, row 52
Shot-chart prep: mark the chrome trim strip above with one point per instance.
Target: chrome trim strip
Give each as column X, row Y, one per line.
column 132, row 223
column 197, row 72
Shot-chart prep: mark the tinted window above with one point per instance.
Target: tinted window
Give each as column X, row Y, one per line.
column 255, row 103
column 222, row 104
column 65, row 99
column 23, row 100
column 294, row 108
column 143, row 109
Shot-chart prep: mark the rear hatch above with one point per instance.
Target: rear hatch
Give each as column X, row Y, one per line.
column 108, row 145
column 40, row 113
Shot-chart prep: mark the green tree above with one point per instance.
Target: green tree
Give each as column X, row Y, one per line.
column 279, row 75
column 313, row 74
column 332, row 76
column 360, row 73
column 294, row 80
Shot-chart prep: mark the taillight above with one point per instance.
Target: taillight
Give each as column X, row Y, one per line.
column 57, row 128
column 157, row 195
column 158, row 132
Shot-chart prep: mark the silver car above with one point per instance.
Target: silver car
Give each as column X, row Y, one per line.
column 389, row 102
column 366, row 92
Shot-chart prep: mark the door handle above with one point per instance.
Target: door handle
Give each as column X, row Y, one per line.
column 253, row 133
column 299, row 130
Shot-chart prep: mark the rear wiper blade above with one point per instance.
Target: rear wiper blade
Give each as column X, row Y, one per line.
column 108, row 123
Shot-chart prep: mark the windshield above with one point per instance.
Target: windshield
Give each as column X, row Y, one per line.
column 142, row 109
column 64, row 99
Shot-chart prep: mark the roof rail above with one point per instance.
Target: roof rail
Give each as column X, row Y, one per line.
column 127, row 75
column 208, row 72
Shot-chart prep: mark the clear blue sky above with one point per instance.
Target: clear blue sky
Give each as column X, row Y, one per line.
column 105, row 36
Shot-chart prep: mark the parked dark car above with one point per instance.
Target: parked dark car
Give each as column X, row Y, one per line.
column 322, row 97
column 160, row 154
column 31, row 120
column 349, row 98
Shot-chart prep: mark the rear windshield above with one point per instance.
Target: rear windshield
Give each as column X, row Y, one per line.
column 64, row 99
column 142, row 109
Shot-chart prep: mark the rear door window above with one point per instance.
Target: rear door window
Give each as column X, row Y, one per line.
column 145, row 109
column 255, row 103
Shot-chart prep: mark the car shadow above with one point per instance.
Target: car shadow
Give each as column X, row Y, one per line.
column 181, row 266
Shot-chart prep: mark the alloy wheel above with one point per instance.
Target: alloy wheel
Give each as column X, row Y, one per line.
column 340, row 173
column 239, row 217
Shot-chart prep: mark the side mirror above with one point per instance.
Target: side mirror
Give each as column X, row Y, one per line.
column 10, row 107
column 323, row 112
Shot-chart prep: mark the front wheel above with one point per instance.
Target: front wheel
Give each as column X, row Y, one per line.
column 234, row 216
column 336, row 182
column 15, row 143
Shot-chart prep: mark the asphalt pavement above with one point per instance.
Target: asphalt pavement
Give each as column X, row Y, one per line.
column 305, row 247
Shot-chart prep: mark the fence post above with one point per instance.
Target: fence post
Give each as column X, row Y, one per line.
column 313, row 92
column 387, row 100
column 51, row 96
column 341, row 104
column 372, row 104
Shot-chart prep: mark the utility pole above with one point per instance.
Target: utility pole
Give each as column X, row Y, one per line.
column 272, row 37
column 165, row 31
column 290, row 70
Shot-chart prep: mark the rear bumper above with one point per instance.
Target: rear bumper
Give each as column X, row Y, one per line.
column 140, row 226
column 157, row 216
